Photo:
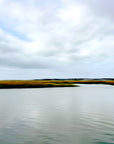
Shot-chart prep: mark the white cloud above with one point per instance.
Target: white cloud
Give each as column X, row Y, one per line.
column 58, row 37
column 74, row 13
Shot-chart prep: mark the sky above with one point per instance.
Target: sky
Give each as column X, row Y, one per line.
column 56, row 39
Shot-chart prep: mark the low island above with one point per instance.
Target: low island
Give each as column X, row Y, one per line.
column 46, row 83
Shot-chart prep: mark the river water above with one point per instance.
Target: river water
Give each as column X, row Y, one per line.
column 75, row 115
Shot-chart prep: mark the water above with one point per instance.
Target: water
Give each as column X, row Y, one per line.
column 78, row 115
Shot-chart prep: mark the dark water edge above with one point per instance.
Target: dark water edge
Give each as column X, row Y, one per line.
column 28, row 87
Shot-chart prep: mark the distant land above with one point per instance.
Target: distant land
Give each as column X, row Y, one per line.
column 76, row 79
column 46, row 83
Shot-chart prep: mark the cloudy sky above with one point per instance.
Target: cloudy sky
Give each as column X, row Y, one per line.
column 56, row 38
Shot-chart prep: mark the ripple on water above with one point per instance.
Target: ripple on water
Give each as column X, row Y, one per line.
column 57, row 116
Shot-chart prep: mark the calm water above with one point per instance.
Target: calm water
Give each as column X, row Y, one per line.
column 83, row 115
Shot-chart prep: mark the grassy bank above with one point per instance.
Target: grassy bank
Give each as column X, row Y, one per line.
column 109, row 82
column 49, row 83
column 34, row 84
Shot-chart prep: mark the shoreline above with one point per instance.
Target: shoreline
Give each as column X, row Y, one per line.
column 12, row 84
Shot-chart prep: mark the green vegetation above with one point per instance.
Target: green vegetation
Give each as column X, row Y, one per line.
column 34, row 84
column 51, row 83
column 99, row 81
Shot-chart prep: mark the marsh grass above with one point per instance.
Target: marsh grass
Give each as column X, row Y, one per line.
column 110, row 82
column 34, row 84
column 49, row 83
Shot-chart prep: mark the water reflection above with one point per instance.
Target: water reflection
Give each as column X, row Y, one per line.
column 57, row 116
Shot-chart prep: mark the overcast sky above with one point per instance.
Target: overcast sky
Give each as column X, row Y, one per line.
column 56, row 39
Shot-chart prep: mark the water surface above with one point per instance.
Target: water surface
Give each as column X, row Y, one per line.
column 75, row 115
